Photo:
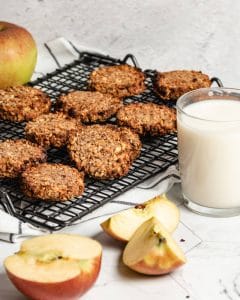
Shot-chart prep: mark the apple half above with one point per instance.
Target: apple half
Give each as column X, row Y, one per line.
column 122, row 225
column 57, row 266
column 152, row 250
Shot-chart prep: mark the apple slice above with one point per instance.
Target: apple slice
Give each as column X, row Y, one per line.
column 152, row 250
column 57, row 266
column 122, row 225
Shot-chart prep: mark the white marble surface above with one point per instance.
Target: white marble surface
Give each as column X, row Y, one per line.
column 212, row 248
column 165, row 35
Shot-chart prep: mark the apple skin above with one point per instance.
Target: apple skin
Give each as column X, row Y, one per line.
column 159, row 206
column 55, row 266
column 18, row 55
column 107, row 228
column 66, row 290
column 152, row 264
column 152, row 250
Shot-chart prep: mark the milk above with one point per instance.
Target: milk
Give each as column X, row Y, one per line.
column 209, row 153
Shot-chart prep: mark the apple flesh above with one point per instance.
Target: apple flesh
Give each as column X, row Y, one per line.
column 18, row 55
column 122, row 225
column 152, row 250
column 57, row 266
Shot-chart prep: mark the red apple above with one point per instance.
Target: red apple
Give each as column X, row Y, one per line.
column 18, row 55
column 55, row 267
column 152, row 250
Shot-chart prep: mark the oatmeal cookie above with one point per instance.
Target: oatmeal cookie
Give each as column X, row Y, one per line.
column 17, row 155
column 133, row 139
column 104, row 151
column 51, row 129
column 120, row 81
column 23, row 103
column 148, row 118
column 89, row 107
column 171, row 85
column 52, row 182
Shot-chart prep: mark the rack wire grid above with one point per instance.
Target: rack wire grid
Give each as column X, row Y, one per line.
column 157, row 153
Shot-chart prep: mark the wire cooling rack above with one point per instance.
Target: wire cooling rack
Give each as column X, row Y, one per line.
column 156, row 156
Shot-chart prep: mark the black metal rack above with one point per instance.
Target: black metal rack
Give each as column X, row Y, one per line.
column 157, row 153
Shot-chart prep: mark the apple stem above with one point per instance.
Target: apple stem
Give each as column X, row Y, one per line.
column 140, row 206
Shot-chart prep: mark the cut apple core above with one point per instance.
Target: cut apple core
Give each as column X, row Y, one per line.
column 53, row 258
column 152, row 250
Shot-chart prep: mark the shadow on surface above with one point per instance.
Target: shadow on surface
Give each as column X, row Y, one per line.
column 7, row 290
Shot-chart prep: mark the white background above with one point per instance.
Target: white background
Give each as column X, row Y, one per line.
column 163, row 34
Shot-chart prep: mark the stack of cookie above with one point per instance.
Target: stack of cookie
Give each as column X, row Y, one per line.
column 98, row 149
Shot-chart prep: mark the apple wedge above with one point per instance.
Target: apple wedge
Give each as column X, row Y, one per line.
column 122, row 225
column 57, row 266
column 152, row 250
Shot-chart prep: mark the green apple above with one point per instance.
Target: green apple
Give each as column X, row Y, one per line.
column 18, row 55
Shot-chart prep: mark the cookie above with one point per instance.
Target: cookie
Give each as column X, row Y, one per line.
column 51, row 129
column 23, row 103
column 89, row 107
column 119, row 81
column 148, row 118
column 52, row 182
column 17, row 155
column 104, row 151
column 171, row 85
column 134, row 141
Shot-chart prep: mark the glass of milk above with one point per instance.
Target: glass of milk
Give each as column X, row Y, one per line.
column 208, row 122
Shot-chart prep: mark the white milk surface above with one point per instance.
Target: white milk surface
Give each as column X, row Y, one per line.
column 209, row 153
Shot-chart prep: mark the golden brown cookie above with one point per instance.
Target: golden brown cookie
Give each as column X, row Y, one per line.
column 148, row 118
column 89, row 107
column 52, row 182
column 171, row 85
column 104, row 151
column 52, row 129
column 120, row 81
column 134, row 141
column 23, row 103
column 17, row 155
